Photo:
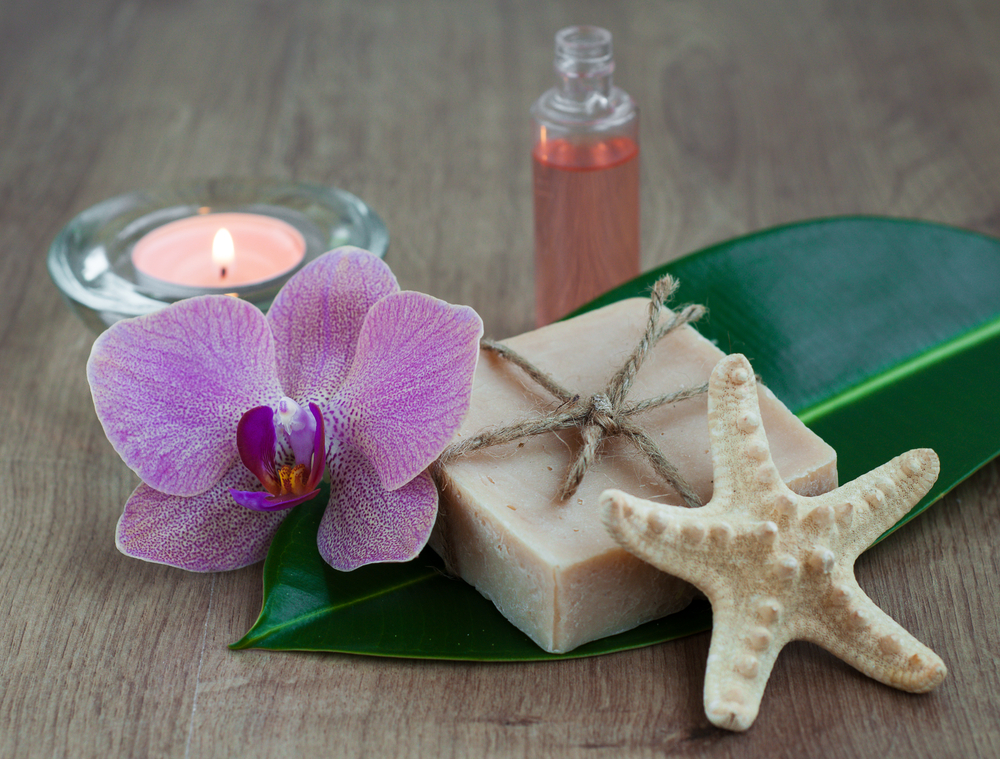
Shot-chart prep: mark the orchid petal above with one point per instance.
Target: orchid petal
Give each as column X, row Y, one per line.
column 204, row 533
column 318, row 314
column 365, row 523
column 170, row 388
column 256, row 442
column 411, row 382
column 260, row 500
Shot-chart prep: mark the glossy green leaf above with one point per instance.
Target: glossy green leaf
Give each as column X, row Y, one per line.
column 413, row 609
column 882, row 335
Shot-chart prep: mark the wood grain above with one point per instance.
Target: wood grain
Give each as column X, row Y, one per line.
column 754, row 113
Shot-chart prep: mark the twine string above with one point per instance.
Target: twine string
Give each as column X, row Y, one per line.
column 603, row 415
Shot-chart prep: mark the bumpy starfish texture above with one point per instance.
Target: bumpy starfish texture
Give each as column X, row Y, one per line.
column 777, row 566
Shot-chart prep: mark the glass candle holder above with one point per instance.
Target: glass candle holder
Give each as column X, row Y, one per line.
column 91, row 260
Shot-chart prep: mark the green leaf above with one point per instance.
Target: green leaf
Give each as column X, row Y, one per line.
column 882, row 335
column 413, row 609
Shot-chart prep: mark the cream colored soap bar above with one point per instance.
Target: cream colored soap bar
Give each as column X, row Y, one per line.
column 550, row 567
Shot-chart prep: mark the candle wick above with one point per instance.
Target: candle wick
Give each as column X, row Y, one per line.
column 223, row 272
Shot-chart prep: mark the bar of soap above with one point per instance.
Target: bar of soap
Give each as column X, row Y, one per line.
column 550, row 567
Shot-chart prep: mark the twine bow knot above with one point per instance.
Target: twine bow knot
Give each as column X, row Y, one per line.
column 601, row 414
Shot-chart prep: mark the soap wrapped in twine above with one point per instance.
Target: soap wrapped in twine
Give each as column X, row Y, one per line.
column 603, row 415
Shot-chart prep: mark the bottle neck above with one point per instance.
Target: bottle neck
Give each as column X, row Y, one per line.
column 584, row 64
column 585, row 102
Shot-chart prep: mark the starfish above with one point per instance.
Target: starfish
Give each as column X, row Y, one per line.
column 777, row 566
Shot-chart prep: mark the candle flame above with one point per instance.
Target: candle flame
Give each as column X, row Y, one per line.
column 223, row 250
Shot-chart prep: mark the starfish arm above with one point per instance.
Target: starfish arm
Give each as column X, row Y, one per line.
column 671, row 538
column 740, row 660
column 868, row 506
column 859, row 632
column 741, row 458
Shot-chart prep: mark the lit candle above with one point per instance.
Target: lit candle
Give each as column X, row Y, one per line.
column 223, row 252
column 219, row 251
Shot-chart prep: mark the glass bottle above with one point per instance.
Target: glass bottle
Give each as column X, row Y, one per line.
column 585, row 163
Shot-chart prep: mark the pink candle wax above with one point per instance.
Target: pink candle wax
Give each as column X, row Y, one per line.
column 192, row 252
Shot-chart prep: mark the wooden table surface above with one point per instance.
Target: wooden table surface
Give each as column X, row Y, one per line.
column 754, row 113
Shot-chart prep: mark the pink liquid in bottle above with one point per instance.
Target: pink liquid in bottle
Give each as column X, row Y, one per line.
column 586, row 177
column 586, row 221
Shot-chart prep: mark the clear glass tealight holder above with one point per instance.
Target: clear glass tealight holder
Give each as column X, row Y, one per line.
column 91, row 259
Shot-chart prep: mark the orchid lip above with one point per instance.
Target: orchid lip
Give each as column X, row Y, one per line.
column 285, row 485
column 256, row 500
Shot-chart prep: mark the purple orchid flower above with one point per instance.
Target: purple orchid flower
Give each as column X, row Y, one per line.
column 230, row 418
